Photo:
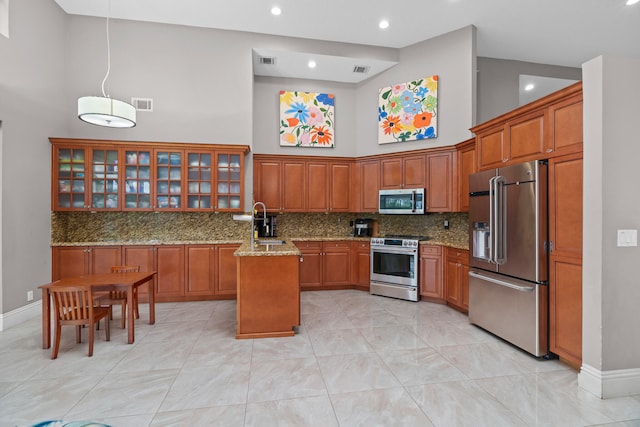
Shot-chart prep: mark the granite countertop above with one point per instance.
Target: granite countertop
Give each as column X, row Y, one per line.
column 285, row 249
column 435, row 240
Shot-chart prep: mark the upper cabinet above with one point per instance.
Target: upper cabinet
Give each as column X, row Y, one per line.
column 466, row 166
column 124, row 176
column 440, row 181
column 299, row 184
column 403, row 172
column 548, row 127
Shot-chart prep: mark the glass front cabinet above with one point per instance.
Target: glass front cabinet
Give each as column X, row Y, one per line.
column 127, row 176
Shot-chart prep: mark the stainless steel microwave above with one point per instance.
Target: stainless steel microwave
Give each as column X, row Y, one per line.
column 409, row 201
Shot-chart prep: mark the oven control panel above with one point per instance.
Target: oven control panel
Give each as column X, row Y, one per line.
column 406, row 243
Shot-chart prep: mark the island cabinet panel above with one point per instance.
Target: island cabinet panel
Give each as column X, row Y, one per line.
column 268, row 296
column 71, row 261
column 440, row 181
column 457, row 278
column 466, row 166
column 431, row 288
column 361, row 265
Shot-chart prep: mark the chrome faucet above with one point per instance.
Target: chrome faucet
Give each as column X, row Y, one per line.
column 253, row 215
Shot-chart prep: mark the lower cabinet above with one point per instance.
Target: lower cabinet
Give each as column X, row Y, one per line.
column 431, row 273
column 361, row 265
column 76, row 260
column 457, row 278
column 167, row 261
column 211, row 270
column 325, row 264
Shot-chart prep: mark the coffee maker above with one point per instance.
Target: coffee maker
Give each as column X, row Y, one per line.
column 266, row 227
column 363, row 227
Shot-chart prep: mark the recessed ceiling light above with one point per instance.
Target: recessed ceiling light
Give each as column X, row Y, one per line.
column 312, row 64
column 630, row 2
column 383, row 24
column 275, row 10
column 529, row 87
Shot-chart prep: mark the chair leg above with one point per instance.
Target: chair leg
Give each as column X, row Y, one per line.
column 91, row 335
column 135, row 303
column 56, row 341
column 107, row 328
column 124, row 314
column 79, row 334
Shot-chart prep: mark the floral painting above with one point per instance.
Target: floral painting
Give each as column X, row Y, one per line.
column 306, row 119
column 408, row 111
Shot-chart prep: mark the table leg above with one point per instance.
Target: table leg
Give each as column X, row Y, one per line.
column 130, row 316
column 152, row 303
column 46, row 318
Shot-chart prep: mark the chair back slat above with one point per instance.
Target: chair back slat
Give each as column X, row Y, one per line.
column 72, row 303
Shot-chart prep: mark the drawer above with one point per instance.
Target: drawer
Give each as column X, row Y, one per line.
column 458, row 255
column 430, row 250
column 335, row 245
column 308, row 245
column 361, row 245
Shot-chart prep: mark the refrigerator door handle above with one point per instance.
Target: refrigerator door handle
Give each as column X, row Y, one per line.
column 492, row 225
column 500, row 255
column 502, row 282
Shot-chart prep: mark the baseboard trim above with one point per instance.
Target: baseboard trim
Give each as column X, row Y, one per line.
column 19, row 315
column 607, row 384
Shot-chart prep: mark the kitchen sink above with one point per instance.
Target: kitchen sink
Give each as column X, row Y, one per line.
column 270, row 242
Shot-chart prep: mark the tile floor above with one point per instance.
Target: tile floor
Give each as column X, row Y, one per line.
column 358, row 360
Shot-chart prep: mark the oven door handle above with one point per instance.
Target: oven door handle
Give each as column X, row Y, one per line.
column 394, row 250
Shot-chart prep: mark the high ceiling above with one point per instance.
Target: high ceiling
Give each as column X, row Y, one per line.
column 557, row 32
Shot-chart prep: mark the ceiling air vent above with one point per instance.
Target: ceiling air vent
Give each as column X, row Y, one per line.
column 362, row 69
column 142, row 104
column 268, row 60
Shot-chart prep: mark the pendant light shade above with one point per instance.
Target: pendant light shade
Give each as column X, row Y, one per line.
column 103, row 110
column 109, row 112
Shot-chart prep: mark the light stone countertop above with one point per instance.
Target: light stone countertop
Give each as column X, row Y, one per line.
column 285, row 249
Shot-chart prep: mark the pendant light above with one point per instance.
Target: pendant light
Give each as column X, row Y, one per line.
column 104, row 110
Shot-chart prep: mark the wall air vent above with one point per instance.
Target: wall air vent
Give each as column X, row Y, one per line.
column 362, row 69
column 268, row 60
column 142, row 104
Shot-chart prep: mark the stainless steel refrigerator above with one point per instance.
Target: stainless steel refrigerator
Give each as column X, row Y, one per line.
column 508, row 280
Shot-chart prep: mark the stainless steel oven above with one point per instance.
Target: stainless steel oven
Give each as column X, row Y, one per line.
column 394, row 267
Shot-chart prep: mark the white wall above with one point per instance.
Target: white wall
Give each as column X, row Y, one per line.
column 32, row 108
column 611, row 284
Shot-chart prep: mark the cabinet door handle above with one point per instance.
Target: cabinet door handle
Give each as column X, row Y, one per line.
column 301, row 259
column 549, row 150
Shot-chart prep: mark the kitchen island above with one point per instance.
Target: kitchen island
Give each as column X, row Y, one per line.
column 268, row 290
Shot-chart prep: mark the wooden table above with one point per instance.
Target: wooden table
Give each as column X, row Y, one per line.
column 101, row 282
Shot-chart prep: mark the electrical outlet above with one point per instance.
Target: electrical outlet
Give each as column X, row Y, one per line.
column 446, row 224
column 30, row 296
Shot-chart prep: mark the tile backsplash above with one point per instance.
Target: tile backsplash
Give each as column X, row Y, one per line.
column 76, row 227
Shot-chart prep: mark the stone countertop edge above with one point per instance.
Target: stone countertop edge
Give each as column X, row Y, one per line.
column 452, row 244
column 285, row 249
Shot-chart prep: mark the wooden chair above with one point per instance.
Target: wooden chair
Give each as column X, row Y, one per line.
column 120, row 297
column 73, row 305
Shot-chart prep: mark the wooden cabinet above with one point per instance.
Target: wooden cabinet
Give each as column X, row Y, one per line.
column 71, row 261
column 325, row 264
column 310, row 264
column 365, row 183
column 167, row 261
column 466, row 166
column 565, row 126
column 403, row 172
column 431, row 273
column 361, row 265
column 565, row 257
column 336, row 263
column 296, row 184
column 548, row 127
column 457, row 278
column 211, row 270
column 152, row 176
column 440, row 181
